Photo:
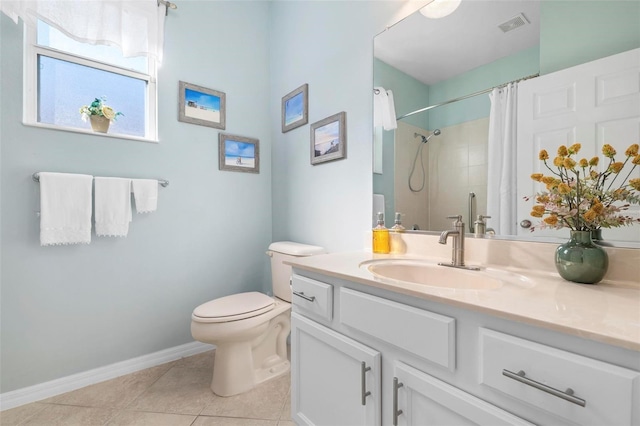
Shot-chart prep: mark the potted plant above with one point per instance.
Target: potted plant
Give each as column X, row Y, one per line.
column 583, row 198
column 99, row 114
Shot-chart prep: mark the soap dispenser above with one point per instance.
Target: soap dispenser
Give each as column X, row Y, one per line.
column 381, row 242
column 397, row 244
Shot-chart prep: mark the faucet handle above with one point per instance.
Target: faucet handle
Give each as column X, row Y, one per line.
column 458, row 219
column 482, row 217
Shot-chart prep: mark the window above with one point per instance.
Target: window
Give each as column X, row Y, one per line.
column 62, row 75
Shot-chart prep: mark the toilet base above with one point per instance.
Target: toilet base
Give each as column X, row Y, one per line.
column 240, row 366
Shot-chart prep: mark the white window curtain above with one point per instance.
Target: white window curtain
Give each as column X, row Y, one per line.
column 501, row 179
column 136, row 26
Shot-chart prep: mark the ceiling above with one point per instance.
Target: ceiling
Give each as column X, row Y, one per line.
column 432, row 50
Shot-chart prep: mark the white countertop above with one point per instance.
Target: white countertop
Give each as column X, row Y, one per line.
column 608, row 312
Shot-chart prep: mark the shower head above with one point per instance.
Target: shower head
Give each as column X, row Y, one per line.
column 425, row 139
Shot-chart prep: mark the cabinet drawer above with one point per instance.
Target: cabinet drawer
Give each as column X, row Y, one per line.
column 423, row 333
column 425, row 400
column 312, row 297
column 600, row 393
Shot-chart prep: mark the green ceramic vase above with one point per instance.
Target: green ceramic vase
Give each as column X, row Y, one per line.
column 580, row 260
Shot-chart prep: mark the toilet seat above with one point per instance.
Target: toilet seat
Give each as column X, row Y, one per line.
column 234, row 307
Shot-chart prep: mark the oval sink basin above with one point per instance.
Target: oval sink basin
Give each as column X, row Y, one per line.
column 434, row 275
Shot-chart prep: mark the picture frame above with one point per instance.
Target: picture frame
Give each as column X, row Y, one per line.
column 202, row 106
column 238, row 153
column 295, row 108
column 329, row 139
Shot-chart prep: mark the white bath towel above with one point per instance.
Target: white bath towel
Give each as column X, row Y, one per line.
column 145, row 192
column 384, row 110
column 112, row 206
column 65, row 208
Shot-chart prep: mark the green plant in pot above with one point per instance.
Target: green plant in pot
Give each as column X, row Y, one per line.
column 99, row 114
column 585, row 199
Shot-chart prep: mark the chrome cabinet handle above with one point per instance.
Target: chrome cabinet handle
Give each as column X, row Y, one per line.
column 396, row 412
column 363, row 371
column 566, row 395
column 304, row 296
column 526, row 224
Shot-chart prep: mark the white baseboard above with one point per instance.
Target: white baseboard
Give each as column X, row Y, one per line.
column 76, row 381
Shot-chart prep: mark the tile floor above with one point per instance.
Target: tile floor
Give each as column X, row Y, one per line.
column 172, row 394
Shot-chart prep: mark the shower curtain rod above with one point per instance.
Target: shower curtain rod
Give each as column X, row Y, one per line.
column 467, row 96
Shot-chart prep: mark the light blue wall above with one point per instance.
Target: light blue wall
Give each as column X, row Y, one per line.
column 329, row 45
column 71, row 309
column 495, row 73
column 68, row 309
column 578, row 31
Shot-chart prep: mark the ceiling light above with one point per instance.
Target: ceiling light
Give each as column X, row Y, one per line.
column 440, row 8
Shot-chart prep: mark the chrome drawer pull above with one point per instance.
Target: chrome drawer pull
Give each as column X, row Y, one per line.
column 304, row 296
column 363, row 372
column 396, row 412
column 566, row 395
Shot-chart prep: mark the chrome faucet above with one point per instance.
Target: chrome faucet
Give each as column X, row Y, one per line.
column 457, row 235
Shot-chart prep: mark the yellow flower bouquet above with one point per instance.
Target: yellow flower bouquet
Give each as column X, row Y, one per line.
column 580, row 197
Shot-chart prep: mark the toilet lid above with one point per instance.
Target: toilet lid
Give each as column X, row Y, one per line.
column 235, row 307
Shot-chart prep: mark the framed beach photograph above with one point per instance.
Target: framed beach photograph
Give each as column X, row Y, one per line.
column 295, row 108
column 199, row 105
column 329, row 139
column 238, row 153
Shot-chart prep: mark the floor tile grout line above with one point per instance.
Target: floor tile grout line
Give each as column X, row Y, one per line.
column 116, row 411
column 150, row 385
column 116, row 414
column 284, row 403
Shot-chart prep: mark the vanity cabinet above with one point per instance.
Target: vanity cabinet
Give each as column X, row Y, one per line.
column 337, row 378
column 384, row 358
column 421, row 399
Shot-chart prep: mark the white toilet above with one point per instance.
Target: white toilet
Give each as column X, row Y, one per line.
column 250, row 329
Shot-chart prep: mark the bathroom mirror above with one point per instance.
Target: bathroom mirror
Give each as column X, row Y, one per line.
column 429, row 63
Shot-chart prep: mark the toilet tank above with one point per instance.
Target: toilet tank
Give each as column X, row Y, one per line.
column 281, row 273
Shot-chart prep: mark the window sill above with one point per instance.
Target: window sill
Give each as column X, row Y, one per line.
column 90, row 132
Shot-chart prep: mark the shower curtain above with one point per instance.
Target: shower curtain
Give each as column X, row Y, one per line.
column 501, row 179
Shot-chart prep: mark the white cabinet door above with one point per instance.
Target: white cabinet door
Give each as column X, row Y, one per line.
column 592, row 104
column 420, row 399
column 335, row 380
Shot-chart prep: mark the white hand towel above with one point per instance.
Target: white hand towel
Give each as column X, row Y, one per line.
column 390, row 121
column 112, row 206
column 65, row 208
column 384, row 110
column 145, row 192
column 379, row 105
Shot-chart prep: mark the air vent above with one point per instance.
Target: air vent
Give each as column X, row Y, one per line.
column 513, row 23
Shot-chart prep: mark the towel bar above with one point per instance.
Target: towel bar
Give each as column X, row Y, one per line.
column 162, row 182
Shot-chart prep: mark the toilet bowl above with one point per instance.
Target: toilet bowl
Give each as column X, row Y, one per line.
column 250, row 329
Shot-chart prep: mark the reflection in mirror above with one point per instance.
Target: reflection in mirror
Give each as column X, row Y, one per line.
column 442, row 72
